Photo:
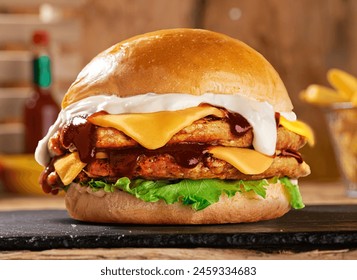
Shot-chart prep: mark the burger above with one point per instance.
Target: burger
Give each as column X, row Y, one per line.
column 178, row 126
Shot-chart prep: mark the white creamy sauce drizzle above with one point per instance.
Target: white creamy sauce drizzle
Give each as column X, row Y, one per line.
column 260, row 115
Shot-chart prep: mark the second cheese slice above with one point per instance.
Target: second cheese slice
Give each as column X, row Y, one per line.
column 300, row 128
column 68, row 167
column 154, row 130
column 245, row 160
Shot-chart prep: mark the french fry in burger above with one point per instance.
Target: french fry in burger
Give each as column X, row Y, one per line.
column 180, row 126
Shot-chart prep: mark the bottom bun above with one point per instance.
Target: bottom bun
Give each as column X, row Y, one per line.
column 120, row 207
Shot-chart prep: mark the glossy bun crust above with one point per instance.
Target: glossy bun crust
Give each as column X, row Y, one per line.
column 182, row 60
column 120, row 207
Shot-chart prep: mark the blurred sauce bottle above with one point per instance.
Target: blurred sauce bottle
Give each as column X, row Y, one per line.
column 41, row 109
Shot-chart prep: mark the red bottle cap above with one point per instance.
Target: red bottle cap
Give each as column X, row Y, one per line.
column 40, row 37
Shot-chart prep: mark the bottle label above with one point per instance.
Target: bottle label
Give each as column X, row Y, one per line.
column 42, row 71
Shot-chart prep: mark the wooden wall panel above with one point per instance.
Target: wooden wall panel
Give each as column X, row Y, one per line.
column 108, row 22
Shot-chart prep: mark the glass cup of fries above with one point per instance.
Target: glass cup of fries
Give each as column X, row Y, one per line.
column 342, row 123
column 340, row 107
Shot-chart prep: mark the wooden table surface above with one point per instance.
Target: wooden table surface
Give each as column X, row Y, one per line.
column 313, row 193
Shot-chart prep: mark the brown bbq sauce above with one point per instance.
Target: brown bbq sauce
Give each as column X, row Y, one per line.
column 291, row 153
column 187, row 155
column 277, row 119
column 46, row 186
column 80, row 133
column 238, row 124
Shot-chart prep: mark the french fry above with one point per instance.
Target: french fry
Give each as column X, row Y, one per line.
column 321, row 95
column 344, row 83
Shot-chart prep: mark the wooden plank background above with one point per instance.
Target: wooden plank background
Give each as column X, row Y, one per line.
column 302, row 39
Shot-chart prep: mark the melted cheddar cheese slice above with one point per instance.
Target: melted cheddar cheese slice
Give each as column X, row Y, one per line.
column 245, row 160
column 154, row 130
column 68, row 167
column 300, row 128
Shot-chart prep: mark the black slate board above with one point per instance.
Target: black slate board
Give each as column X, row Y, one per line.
column 314, row 227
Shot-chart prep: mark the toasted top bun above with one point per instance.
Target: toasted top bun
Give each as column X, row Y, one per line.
column 189, row 61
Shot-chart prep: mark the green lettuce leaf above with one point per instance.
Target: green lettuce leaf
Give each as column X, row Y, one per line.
column 294, row 193
column 198, row 194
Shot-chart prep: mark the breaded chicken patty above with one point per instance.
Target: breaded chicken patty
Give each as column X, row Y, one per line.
column 205, row 131
column 118, row 155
